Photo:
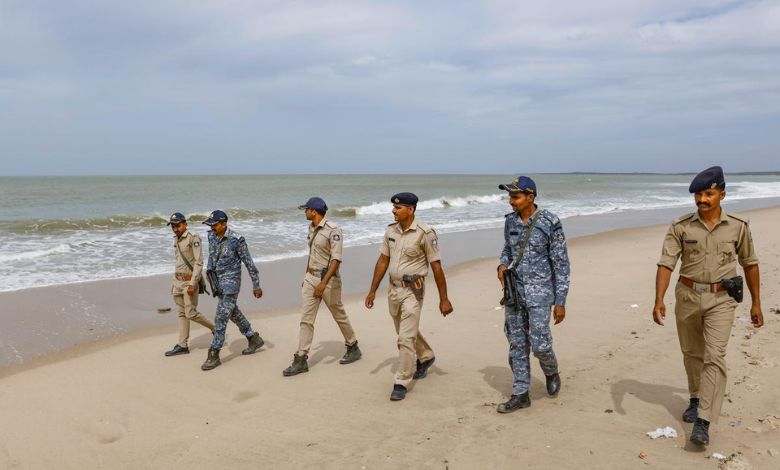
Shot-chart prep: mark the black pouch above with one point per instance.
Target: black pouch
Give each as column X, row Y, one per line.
column 211, row 275
column 510, row 288
column 734, row 287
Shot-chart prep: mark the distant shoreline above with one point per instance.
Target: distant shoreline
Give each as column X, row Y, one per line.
column 584, row 173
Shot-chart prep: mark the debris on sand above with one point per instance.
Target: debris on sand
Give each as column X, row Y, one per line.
column 663, row 432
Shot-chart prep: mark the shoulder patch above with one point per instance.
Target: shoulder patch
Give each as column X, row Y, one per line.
column 683, row 218
column 336, row 237
column 196, row 243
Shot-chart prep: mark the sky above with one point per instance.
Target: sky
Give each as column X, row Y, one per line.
column 348, row 86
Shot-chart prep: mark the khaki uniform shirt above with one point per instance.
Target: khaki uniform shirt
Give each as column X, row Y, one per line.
column 411, row 251
column 708, row 256
column 325, row 244
column 189, row 246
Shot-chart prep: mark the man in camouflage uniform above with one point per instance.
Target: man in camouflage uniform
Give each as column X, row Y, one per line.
column 710, row 243
column 186, row 281
column 227, row 250
column 322, row 283
column 408, row 248
column 542, row 286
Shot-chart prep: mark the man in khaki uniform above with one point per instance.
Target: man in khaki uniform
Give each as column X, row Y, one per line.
column 710, row 242
column 322, row 283
column 408, row 247
column 186, row 281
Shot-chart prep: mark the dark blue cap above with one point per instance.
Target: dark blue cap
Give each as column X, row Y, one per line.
column 521, row 183
column 316, row 203
column 710, row 178
column 405, row 199
column 216, row 216
column 176, row 219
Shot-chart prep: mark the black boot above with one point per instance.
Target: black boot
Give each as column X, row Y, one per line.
column 553, row 384
column 515, row 403
column 212, row 360
column 422, row 368
column 353, row 354
column 701, row 432
column 399, row 392
column 690, row 414
column 299, row 365
column 255, row 343
column 177, row 350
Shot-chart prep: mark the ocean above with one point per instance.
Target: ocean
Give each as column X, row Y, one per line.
column 59, row 230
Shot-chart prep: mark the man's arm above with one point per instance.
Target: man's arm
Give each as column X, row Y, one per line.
column 246, row 258
column 445, row 306
column 212, row 254
column 559, row 257
column 662, row 278
column 753, row 281
column 379, row 272
column 332, row 268
column 506, row 253
column 197, row 266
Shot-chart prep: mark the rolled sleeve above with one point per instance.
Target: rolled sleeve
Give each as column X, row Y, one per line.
column 336, row 244
column 746, row 251
column 431, row 246
column 385, row 248
column 671, row 249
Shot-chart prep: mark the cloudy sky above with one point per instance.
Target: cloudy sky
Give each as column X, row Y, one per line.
column 347, row 86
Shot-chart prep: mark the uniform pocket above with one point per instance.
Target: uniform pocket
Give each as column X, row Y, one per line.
column 691, row 252
column 412, row 252
column 726, row 252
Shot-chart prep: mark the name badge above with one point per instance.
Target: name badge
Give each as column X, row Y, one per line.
column 690, row 241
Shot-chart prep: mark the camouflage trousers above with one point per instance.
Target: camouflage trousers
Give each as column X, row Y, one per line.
column 227, row 309
column 528, row 329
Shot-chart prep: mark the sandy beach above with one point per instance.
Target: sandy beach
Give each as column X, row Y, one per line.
column 119, row 403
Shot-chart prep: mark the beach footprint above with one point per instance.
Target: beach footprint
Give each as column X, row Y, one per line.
column 241, row 397
column 105, row 431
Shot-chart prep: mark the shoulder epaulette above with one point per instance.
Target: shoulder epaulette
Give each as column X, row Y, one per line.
column 549, row 216
column 394, row 223
column 683, row 218
column 424, row 227
column 742, row 219
column 331, row 224
column 507, row 215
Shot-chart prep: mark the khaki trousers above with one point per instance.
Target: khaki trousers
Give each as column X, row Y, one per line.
column 405, row 311
column 704, row 326
column 188, row 311
column 311, row 305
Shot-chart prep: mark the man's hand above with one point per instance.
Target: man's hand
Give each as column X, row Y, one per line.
column 756, row 316
column 370, row 300
column 445, row 307
column 190, row 290
column 258, row 293
column 559, row 313
column 659, row 313
column 501, row 270
column 319, row 290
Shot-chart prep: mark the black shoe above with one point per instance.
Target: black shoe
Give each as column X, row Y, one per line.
column 422, row 368
column 255, row 343
column 690, row 414
column 553, row 384
column 701, row 432
column 177, row 350
column 399, row 392
column 353, row 354
column 299, row 366
column 515, row 403
column 212, row 360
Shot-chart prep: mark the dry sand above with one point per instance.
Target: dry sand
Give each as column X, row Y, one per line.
column 120, row 404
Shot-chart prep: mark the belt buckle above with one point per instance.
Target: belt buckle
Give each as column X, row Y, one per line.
column 701, row 288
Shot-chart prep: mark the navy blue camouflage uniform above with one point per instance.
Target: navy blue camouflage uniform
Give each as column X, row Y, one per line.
column 543, row 281
column 226, row 256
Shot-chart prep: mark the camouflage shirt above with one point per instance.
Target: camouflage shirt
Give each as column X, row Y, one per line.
column 226, row 256
column 543, row 273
